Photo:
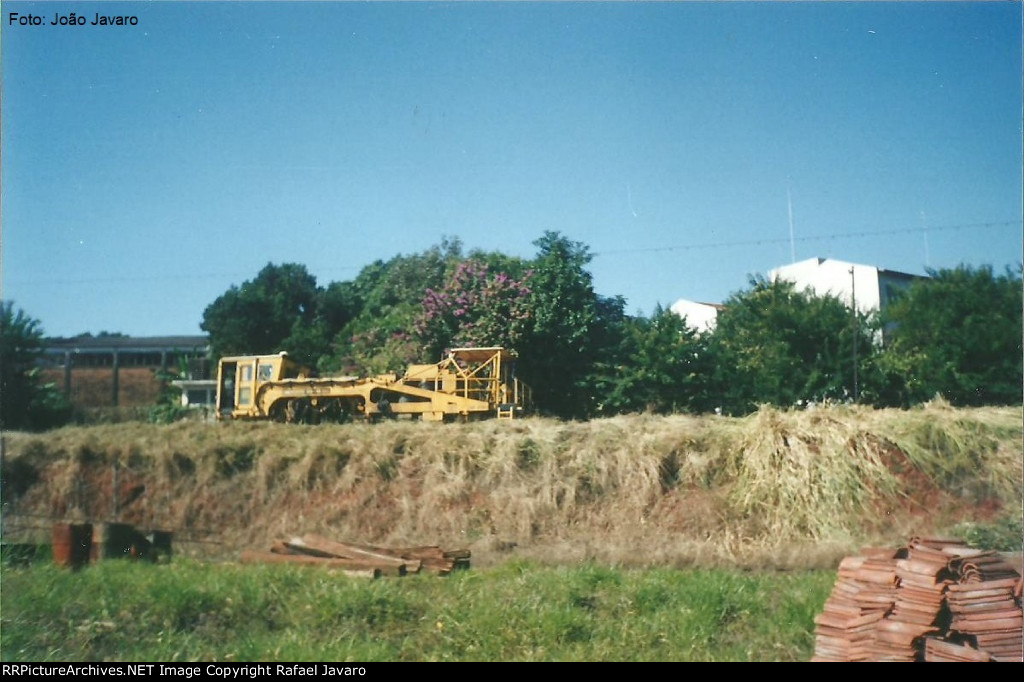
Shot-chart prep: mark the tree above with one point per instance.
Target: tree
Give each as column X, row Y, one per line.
column 774, row 344
column 475, row 308
column 662, row 366
column 339, row 304
column 957, row 334
column 25, row 401
column 573, row 330
column 384, row 302
column 273, row 312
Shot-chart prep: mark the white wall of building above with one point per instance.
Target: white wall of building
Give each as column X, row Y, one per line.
column 843, row 280
column 701, row 317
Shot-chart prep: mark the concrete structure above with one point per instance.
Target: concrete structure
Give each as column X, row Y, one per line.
column 701, row 317
column 870, row 288
column 197, row 393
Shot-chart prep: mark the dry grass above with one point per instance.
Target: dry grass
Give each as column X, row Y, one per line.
column 778, row 488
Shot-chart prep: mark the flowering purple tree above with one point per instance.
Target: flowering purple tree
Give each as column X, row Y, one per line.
column 476, row 307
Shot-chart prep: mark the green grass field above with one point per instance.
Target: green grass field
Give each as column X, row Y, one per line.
column 189, row 611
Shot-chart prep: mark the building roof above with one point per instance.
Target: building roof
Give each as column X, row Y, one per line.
column 133, row 344
column 836, row 261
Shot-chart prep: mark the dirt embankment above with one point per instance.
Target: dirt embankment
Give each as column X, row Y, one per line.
column 784, row 489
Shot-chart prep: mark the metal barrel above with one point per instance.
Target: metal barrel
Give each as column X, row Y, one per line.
column 72, row 544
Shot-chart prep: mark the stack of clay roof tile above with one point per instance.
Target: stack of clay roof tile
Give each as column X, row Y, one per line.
column 361, row 560
column 921, row 575
column 940, row 651
column 946, row 602
column 985, row 605
column 864, row 593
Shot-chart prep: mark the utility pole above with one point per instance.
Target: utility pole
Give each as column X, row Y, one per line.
column 853, row 306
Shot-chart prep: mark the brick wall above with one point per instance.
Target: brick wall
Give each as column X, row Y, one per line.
column 94, row 386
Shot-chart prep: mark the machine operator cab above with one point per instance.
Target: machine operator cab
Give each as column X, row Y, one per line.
column 239, row 379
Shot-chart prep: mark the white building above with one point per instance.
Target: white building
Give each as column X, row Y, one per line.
column 700, row 317
column 869, row 287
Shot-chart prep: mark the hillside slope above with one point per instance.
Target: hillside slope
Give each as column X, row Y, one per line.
column 777, row 488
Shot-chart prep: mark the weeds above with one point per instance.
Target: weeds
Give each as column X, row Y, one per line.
column 1005, row 534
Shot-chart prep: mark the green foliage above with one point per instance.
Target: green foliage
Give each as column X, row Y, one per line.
column 1005, row 534
column 339, row 304
column 266, row 315
column 776, row 345
column 573, row 329
column 662, row 366
column 189, row 612
column 957, row 334
column 476, row 308
column 384, row 302
column 168, row 407
column 25, row 401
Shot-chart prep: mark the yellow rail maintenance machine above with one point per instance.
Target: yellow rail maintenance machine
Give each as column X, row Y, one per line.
column 468, row 383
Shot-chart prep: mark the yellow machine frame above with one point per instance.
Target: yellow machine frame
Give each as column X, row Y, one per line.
column 466, row 383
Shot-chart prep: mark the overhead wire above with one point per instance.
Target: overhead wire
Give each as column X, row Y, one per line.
column 602, row 252
column 807, row 238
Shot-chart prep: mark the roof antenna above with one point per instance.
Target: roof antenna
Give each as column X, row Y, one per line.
column 789, row 200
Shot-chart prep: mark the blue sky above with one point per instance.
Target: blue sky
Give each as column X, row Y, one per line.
column 148, row 168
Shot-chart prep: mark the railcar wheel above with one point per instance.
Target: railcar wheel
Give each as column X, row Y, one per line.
column 279, row 412
column 299, row 411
